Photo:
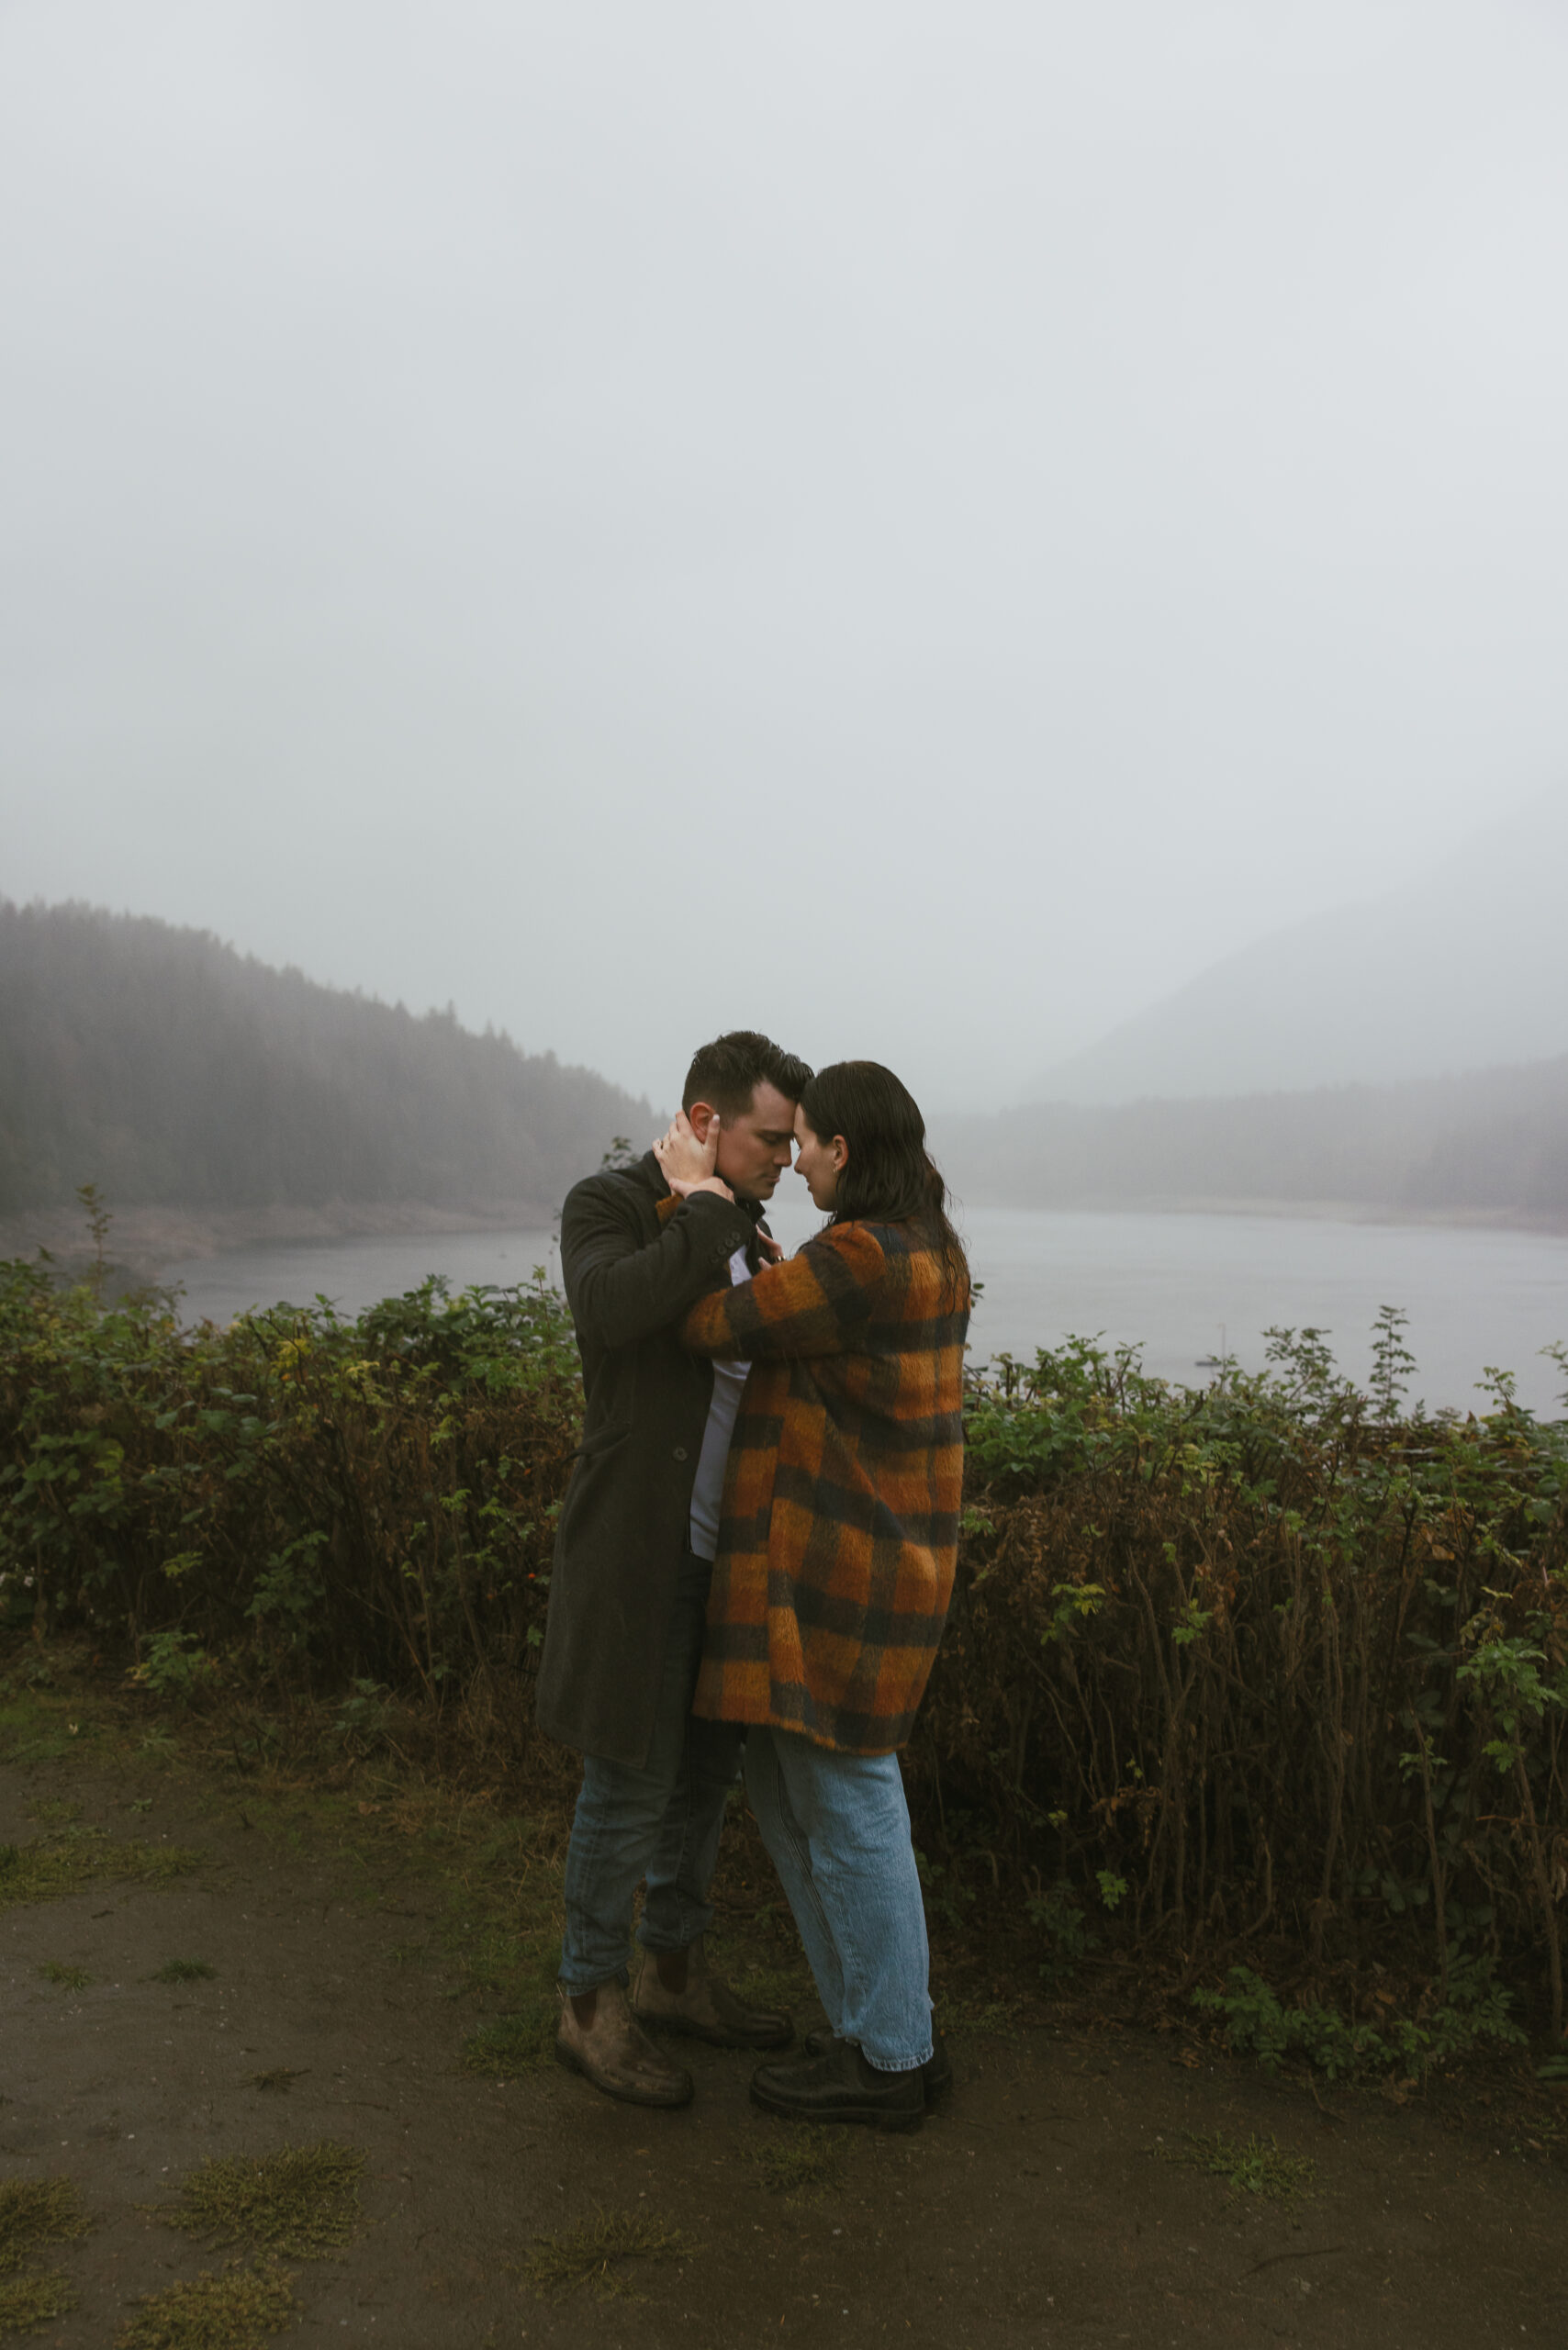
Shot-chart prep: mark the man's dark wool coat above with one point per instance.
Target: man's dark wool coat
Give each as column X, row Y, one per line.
column 625, row 1521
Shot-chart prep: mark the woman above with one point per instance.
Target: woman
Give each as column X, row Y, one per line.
column 834, row 1568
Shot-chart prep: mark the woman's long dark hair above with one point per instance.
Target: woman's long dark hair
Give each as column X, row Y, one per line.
column 889, row 1176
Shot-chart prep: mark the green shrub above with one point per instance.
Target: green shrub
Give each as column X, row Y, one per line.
column 1068, row 1939
column 352, row 1505
column 1272, row 1657
column 1268, row 1655
column 1475, row 2010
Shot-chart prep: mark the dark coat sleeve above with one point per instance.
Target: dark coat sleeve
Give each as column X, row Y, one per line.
column 622, row 1288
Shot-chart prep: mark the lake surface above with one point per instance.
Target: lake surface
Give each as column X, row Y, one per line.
column 1185, row 1286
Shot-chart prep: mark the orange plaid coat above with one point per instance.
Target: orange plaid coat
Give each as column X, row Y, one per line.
column 840, row 1521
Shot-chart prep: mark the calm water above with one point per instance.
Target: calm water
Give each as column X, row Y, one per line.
column 1184, row 1285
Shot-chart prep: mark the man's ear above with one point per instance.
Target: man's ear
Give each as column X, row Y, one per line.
column 700, row 1118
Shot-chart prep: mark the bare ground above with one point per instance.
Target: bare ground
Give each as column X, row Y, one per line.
column 1046, row 2207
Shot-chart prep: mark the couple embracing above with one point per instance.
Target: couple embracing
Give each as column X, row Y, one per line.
column 753, row 1567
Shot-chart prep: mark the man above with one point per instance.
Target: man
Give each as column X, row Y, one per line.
column 634, row 1558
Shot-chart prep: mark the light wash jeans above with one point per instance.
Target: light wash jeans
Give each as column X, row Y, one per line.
column 836, row 1827
column 661, row 1822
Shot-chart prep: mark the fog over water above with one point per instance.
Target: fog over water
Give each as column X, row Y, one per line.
column 1184, row 1285
column 917, row 527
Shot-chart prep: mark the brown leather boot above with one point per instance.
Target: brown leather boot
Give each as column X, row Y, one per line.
column 707, row 2009
column 615, row 2056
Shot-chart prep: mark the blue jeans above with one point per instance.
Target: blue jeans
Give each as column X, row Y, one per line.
column 661, row 1822
column 836, row 1827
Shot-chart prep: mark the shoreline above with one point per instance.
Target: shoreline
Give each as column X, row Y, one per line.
column 1285, row 1210
column 142, row 1241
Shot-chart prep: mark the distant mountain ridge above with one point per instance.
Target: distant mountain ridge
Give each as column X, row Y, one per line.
column 1491, row 1146
column 169, row 1069
column 1465, row 970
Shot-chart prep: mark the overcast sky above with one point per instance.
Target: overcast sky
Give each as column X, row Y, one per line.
column 913, row 526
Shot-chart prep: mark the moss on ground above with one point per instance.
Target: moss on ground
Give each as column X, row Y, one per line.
column 514, row 2044
column 523, row 2037
column 1260, row 2167
column 34, row 1731
column 29, row 2301
column 53, row 1811
column 1000, row 2019
column 64, row 1979
column 235, row 2311
column 801, row 2163
column 763, row 1965
column 184, row 1970
column 301, row 2200
column 48, row 1867
column 595, row 2249
column 35, row 2211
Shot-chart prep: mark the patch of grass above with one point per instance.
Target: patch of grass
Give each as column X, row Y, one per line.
column 280, row 2078
column 47, row 1867
column 235, row 2311
column 1260, row 2167
column 801, row 2163
column 555, row 2264
column 759, row 1954
column 519, row 2040
column 53, row 1812
column 780, row 1987
column 29, row 2301
column 35, row 2211
column 493, row 1881
column 485, row 1954
column 302, row 2200
column 185, row 1970
column 998, row 2016
column 33, row 1730
column 508, row 2046
column 67, row 1978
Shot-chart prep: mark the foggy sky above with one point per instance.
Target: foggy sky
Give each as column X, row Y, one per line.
column 914, row 526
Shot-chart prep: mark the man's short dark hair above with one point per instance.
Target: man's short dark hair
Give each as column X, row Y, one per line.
column 728, row 1071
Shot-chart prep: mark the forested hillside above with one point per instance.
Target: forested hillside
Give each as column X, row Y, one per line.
column 1493, row 1141
column 162, row 1066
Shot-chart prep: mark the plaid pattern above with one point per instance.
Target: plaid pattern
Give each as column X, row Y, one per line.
column 840, row 1522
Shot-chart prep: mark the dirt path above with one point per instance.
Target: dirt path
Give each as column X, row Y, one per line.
column 1042, row 2210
